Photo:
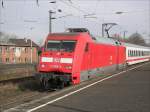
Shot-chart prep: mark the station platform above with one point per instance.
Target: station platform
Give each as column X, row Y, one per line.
column 127, row 92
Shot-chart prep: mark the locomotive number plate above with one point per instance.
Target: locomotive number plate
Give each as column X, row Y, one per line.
column 56, row 60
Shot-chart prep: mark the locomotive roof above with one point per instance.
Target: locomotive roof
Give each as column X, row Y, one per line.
column 97, row 39
column 64, row 34
column 106, row 40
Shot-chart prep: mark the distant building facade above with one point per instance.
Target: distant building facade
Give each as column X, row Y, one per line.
column 18, row 51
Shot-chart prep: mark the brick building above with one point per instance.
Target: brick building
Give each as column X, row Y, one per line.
column 18, row 51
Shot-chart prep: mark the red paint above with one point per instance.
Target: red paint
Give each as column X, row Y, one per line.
column 98, row 55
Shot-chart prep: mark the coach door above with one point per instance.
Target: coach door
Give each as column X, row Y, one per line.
column 118, row 56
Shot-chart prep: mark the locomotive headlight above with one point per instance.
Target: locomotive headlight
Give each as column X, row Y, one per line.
column 68, row 67
column 42, row 65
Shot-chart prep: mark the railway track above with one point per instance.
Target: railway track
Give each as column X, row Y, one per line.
column 16, row 80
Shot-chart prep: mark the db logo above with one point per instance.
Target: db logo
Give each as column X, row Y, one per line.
column 56, row 60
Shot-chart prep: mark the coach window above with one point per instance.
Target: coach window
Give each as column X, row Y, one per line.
column 131, row 53
column 137, row 53
column 87, row 47
column 143, row 53
column 147, row 53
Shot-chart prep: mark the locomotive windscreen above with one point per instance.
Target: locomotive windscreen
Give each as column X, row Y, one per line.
column 61, row 45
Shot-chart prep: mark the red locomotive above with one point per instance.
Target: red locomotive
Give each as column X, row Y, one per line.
column 73, row 57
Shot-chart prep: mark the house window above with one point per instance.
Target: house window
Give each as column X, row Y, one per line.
column 26, row 59
column 19, row 59
column 14, row 60
column 7, row 49
column 7, row 60
column 0, row 49
column 26, row 50
column 14, row 49
column 19, row 49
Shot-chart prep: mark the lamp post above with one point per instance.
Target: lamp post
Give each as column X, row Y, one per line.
column 50, row 20
column 31, row 47
column 124, row 34
column 50, row 16
column 31, row 28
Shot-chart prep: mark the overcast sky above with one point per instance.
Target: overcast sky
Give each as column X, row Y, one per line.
column 26, row 18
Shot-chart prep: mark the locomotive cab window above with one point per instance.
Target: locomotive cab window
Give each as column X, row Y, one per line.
column 61, row 45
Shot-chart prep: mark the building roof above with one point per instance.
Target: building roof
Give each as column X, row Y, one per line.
column 23, row 42
column 6, row 44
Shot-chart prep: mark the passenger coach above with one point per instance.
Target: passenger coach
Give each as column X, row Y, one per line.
column 136, row 54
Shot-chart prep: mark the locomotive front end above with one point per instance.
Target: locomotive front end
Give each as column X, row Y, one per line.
column 56, row 61
column 58, row 56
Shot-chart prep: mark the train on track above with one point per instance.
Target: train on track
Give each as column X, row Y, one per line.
column 73, row 57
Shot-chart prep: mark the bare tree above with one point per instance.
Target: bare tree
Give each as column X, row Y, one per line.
column 4, row 37
column 136, row 38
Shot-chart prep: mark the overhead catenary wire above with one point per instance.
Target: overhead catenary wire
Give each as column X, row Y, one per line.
column 2, row 3
column 77, row 8
column 37, row 2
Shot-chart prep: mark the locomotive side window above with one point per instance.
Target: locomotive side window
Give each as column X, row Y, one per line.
column 87, row 47
column 61, row 45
